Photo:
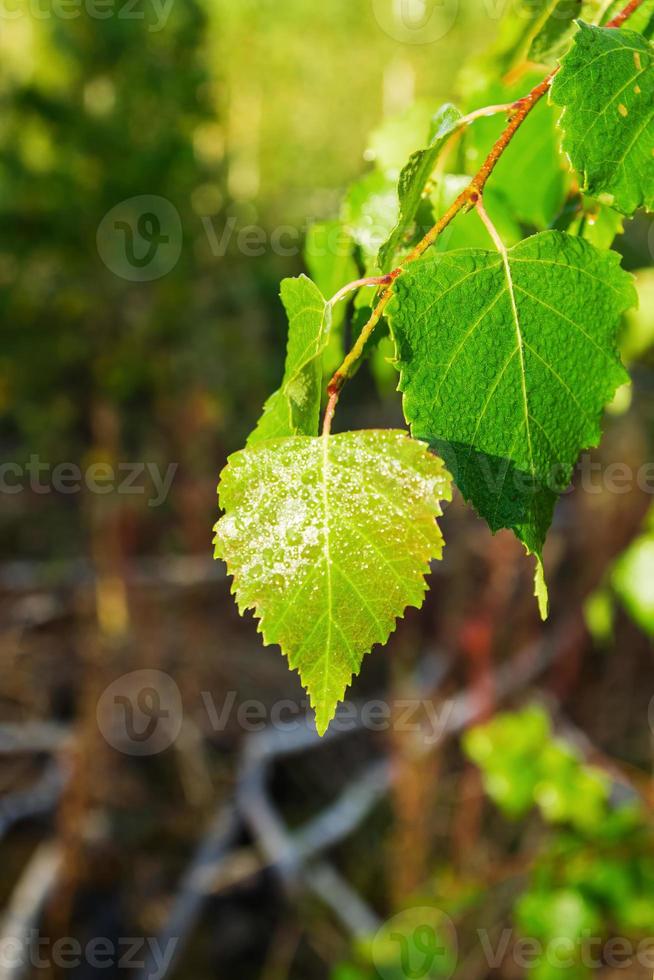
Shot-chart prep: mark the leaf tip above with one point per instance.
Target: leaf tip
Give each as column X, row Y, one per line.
column 323, row 719
column 540, row 590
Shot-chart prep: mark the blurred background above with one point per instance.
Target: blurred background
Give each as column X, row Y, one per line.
column 166, row 808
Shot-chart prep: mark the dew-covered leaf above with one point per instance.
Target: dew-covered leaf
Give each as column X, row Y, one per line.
column 294, row 409
column 414, row 179
column 329, row 540
column 506, row 364
column 606, row 89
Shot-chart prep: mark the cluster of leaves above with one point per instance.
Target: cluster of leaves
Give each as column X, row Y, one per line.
column 506, row 352
column 594, row 876
column 523, row 766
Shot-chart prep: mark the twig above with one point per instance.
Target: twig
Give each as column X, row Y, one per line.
column 489, row 110
column 193, row 890
column 345, row 903
column 359, row 284
column 624, row 15
column 32, row 736
column 24, row 910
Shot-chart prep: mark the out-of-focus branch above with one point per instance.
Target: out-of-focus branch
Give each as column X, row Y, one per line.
column 24, row 910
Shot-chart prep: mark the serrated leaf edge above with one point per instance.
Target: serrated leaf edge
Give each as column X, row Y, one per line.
column 389, row 626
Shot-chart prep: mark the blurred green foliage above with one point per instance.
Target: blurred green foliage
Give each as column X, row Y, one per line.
column 524, row 766
column 632, row 578
column 99, row 112
column 594, row 876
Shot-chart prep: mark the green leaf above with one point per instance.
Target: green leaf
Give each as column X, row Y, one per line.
column 525, row 766
column 294, row 409
column 328, row 254
column 556, row 29
column 505, row 365
column 606, row 89
column 370, row 212
column 533, row 30
column 394, row 140
column 591, row 220
column 414, row 179
column 329, row 540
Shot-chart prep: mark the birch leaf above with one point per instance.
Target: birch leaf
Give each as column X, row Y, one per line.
column 606, row 89
column 329, row 540
column 506, row 364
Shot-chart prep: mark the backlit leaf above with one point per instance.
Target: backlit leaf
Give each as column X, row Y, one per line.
column 329, row 539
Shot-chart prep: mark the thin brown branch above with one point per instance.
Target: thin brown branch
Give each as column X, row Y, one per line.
column 625, row 14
